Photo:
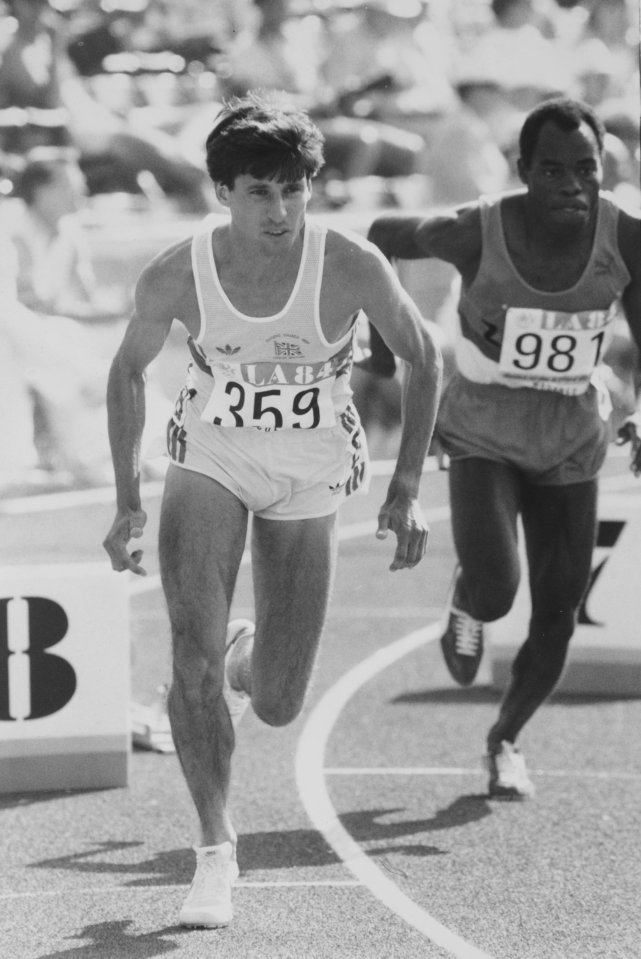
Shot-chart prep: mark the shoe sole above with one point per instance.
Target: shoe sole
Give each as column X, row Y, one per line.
column 197, row 922
column 505, row 794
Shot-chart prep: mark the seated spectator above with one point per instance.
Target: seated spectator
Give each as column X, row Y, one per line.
column 56, row 366
column 55, row 275
column 53, row 384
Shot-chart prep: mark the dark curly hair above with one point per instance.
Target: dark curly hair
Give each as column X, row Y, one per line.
column 265, row 136
column 567, row 114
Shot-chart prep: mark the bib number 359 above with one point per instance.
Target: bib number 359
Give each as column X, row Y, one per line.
column 236, row 404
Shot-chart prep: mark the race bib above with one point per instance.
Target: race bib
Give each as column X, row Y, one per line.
column 236, row 402
column 551, row 350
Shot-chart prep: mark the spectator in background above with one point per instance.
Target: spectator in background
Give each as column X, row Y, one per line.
column 519, row 14
column 48, row 284
column 36, row 72
column 280, row 53
column 621, row 119
column 612, row 21
column 474, row 133
column 521, row 44
column 185, row 24
column 604, row 56
column 51, row 306
column 385, row 45
column 285, row 53
column 54, row 387
column 18, row 457
column 55, row 274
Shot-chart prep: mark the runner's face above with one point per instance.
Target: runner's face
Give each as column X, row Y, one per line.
column 267, row 210
column 564, row 177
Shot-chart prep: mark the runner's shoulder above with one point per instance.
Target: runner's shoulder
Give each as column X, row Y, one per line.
column 351, row 255
column 166, row 279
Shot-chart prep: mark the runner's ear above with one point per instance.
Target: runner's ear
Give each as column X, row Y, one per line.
column 222, row 193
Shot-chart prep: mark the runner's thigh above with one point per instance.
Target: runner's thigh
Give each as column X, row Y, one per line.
column 203, row 527
column 293, row 567
column 560, row 526
column 485, row 500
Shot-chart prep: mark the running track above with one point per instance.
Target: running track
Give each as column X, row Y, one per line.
column 364, row 827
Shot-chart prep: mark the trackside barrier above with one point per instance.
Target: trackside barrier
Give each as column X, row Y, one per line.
column 605, row 651
column 64, row 678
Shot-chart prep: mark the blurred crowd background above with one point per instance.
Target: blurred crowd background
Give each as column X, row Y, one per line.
column 104, row 109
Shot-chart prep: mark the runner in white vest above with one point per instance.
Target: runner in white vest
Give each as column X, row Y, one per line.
column 544, row 272
column 264, row 424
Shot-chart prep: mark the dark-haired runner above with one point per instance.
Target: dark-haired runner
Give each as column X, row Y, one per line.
column 264, row 424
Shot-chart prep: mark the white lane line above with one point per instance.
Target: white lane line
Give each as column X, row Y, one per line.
column 68, row 499
column 147, row 584
column 156, row 887
column 312, row 788
column 474, row 771
column 44, row 502
column 400, row 771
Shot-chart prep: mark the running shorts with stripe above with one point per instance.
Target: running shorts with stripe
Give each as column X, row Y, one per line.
column 278, row 474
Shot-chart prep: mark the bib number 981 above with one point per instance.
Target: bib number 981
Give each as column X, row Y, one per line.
column 539, row 351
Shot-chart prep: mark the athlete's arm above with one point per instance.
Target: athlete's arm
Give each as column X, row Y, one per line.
column 454, row 237
column 404, row 330
column 630, row 248
column 144, row 337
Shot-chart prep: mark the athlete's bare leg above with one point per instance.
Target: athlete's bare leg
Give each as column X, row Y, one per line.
column 293, row 566
column 486, row 498
column 560, row 527
column 202, row 536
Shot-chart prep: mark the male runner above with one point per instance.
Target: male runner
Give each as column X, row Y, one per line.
column 264, row 424
column 544, row 272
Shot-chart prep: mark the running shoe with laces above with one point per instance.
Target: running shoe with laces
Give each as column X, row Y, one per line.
column 462, row 642
column 208, row 902
column 240, row 632
column 508, row 776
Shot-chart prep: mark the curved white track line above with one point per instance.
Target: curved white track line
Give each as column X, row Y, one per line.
column 310, row 778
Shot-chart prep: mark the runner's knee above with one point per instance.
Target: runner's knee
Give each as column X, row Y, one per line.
column 197, row 678
column 276, row 710
column 488, row 605
column 552, row 630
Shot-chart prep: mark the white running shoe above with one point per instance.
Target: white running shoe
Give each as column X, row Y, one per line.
column 240, row 632
column 208, row 903
column 508, row 776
